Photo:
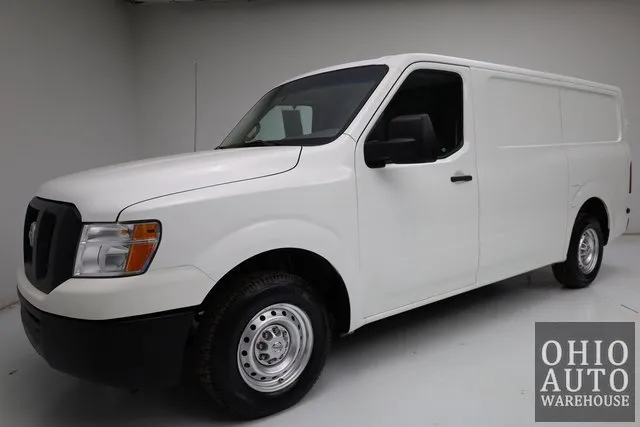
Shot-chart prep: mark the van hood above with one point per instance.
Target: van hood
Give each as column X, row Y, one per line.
column 100, row 194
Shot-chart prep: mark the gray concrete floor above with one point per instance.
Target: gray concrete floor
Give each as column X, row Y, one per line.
column 466, row 361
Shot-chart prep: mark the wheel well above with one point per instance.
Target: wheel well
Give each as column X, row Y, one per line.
column 597, row 209
column 308, row 265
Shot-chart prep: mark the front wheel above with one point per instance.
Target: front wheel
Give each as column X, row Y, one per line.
column 584, row 256
column 261, row 348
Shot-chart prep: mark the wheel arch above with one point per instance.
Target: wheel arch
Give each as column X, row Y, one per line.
column 288, row 243
column 597, row 208
column 304, row 263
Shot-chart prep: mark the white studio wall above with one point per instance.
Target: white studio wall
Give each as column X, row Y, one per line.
column 66, row 103
column 243, row 49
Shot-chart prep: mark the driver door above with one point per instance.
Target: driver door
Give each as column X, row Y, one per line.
column 419, row 221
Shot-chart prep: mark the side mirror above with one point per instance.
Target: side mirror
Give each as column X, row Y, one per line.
column 411, row 140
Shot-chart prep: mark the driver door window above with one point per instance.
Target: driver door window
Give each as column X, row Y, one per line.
column 437, row 93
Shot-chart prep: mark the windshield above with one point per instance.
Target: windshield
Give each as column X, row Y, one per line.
column 313, row 110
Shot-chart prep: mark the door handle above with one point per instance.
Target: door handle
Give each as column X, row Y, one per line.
column 461, row 178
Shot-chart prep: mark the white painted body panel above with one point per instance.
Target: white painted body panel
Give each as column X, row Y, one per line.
column 597, row 155
column 523, row 174
column 399, row 237
column 100, row 194
column 312, row 207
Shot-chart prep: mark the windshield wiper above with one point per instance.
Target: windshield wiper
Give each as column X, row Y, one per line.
column 261, row 143
column 256, row 143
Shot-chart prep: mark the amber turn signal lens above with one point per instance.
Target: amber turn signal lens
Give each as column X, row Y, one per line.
column 145, row 231
column 145, row 239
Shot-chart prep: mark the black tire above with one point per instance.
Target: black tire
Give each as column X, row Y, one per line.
column 569, row 273
column 222, row 326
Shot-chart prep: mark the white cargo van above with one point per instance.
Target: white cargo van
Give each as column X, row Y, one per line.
column 343, row 197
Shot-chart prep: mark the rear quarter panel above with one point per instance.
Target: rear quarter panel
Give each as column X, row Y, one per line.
column 597, row 152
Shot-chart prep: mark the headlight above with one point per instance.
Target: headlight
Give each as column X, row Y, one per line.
column 108, row 250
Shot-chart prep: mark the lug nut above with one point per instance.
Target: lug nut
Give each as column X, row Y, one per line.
column 276, row 331
column 267, row 335
column 261, row 346
column 263, row 356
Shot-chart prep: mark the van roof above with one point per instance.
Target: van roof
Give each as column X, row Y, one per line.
column 403, row 60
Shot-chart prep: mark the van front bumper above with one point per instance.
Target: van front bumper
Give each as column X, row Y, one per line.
column 134, row 352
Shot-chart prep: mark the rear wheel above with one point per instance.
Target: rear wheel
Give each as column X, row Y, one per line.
column 584, row 256
column 261, row 347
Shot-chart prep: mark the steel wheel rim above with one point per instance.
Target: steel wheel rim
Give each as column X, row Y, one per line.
column 588, row 251
column 275, row 347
